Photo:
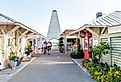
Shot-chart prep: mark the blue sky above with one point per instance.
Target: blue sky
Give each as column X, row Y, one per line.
column 72, row 13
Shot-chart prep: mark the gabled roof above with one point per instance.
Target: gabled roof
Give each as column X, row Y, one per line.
column 9, row 20
column 112, row 19
column 30, row 29
column 67, row 31
column 85, row 26
column 108, row 20
column 4, row 18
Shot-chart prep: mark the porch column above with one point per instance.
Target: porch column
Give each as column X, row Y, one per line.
column 80, row 39
column 98, row 39
column 23, row 45
column 76, row 42
column 23, row 42
column 65, row 44
column 5, row 52
column 110, row 55
column 3, row 49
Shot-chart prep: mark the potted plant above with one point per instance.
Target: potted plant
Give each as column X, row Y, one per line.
column 28, row 51
column 12, row 58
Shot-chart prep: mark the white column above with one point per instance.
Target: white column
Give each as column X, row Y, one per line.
column 76, row 41
column 65, row 44
column 36, row 47
column 1, row 52
column 79, row 38
column 82, row 43
column 110, row 55
column 23, row 41
column 98, row 39
column 4, row 52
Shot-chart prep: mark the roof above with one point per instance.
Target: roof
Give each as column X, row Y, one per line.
column 108, row 20
column 67, row 31
column 9, row 20
column 83, row 27
column 54, row 11
column 4, row 18
column 112, row 19
column 24, row 26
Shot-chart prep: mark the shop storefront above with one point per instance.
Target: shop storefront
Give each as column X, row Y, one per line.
column 87, row 42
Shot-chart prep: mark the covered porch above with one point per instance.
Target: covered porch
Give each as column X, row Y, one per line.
column 90, row 35
column 13, row 38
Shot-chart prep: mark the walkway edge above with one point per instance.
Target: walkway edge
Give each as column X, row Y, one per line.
column 80, row 66
column 11, row 75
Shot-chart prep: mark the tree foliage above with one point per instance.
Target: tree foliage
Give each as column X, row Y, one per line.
column 100, row 50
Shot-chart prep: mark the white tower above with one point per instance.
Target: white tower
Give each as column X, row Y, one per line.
column 54, row 27
column 54, row 30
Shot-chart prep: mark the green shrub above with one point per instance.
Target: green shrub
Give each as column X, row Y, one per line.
column 73, row 54
column 100, row 50
column 80, row 53
column 89, row 65
column 77, row 55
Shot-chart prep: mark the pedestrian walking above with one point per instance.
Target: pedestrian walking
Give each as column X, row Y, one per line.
column 49, row 45
column 45, row 47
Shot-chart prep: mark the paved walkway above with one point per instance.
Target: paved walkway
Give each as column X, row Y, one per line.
column 56, row 67
column 7, row 74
